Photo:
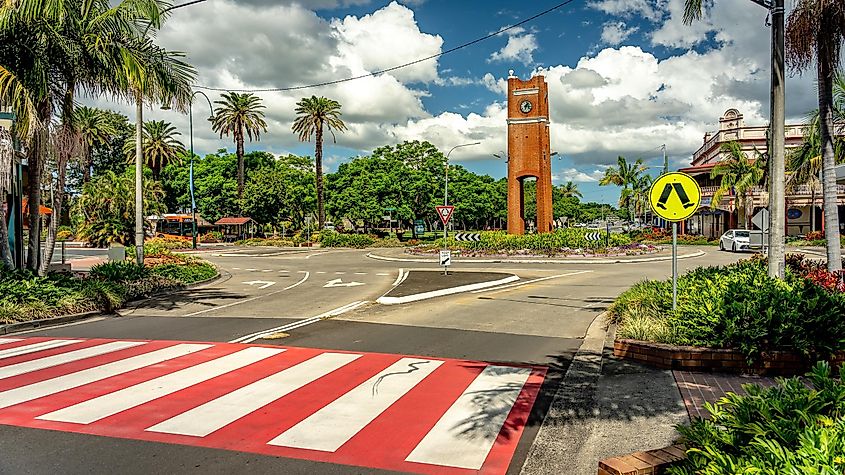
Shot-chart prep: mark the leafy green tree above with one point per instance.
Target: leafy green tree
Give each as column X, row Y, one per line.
column 815, row 31
column 239, row 114
column 161, row 147
column 362, row 188
column 626, row 176
column 739, row 175
column 105, row 211
column 281, row 191
column 315, row 114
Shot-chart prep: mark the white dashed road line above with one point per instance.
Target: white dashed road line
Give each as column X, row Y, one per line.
column 300, row 323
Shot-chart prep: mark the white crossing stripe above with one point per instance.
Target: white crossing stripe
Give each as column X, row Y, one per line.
column 4, row 341
column 333, row 425
column 465, row 434
column 55, row 360
column 216, row 414
column 118, row 401
column 87, row 376
column 32, row 348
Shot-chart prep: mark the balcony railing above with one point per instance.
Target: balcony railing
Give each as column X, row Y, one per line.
column 801, row 190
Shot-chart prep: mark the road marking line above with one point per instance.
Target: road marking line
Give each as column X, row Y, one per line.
column 453, row 441
column 404, row 277
column 55, row 360
column 307, row 274
column 110, row 404
column 382, row 273
column 399, row 277
column 320, row 272
column 251, row 270
column 4, row 341
column 220, row 412
column 517, row 284
column 236, row 268
column 266, row 270
column 34, row 347
column 87, row 376
column 334, row 424
column 360, row 273
column 300, row 323
column 340, row 273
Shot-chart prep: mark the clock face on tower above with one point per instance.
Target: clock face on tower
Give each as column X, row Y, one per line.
column 525, row 107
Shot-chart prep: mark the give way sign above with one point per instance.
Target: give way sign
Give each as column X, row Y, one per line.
column 445, row 213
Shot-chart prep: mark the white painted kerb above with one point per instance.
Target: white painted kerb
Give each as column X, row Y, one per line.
column 442, row 292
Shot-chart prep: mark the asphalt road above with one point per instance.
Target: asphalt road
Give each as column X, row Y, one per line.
column 539, row 320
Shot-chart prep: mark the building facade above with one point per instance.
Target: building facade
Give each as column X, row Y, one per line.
column 804, row 203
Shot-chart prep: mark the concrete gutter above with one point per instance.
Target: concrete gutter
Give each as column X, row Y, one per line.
column 540, row 261
column 32, row 324
column 440, row 293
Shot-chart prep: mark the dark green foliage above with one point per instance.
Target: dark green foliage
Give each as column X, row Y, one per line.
column 737, row 306
column 791, row 428
column 334, row 239
column 119, row 271
column 187, row 273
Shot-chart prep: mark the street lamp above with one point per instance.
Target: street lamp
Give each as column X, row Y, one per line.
column 139, row 152
column 446, row 189
column 191, row 170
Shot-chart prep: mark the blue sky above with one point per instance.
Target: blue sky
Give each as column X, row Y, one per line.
column 625, row 76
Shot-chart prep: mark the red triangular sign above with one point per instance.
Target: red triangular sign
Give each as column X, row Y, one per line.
column 445, row 213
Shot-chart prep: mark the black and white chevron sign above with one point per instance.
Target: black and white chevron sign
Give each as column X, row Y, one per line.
column 467, row 237
column 592, row 236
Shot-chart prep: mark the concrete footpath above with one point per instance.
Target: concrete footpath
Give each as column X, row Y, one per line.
column 605, row 407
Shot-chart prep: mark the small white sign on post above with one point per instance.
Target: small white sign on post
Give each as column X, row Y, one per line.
column 445, row 258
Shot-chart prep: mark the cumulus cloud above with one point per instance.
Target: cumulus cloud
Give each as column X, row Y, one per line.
column 628, row 8
column 520, row 47
column 614, row 33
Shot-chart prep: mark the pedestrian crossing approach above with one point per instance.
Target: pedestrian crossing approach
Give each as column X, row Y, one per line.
column 394, row 412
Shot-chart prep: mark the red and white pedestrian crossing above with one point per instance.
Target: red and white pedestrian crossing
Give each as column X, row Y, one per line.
column 395, row 412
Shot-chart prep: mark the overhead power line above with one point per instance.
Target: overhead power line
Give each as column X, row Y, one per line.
column 394, row 68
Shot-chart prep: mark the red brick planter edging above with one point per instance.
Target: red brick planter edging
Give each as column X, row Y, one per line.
column 694, row 358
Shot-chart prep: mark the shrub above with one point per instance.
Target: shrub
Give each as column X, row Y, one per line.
column 547, row 243
column 269, row 242
column 210, row 237
column 188, row 273
column 335, row 239
column 786, row 429
column 169, row 242
column 119, row 271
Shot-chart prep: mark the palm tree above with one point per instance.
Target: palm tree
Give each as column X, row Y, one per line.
column 95, row 128
column 739, row 175
column 239, row 114
column 49, row 50
column 815, row 30
column 314, row 114
column 640, row 194
column 161, row 147
column 624, row 175
column 570, row 190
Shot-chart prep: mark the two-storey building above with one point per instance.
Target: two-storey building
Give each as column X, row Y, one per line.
column 804, row 203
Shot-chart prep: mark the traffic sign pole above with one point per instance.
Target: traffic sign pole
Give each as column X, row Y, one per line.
column 674, row 266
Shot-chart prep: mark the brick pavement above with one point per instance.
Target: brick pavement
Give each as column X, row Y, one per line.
column 698, row 388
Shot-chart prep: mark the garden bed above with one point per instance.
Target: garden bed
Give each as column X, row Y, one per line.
column 739, row 312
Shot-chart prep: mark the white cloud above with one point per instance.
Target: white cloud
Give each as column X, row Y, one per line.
column 627, row 8
column 578, row 176
column 614, row 33
column 520, row 47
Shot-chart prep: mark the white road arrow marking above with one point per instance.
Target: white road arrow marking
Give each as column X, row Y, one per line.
column 340, row 283
column 266, row 283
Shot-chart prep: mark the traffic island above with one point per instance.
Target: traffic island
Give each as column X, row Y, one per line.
column 422, row 284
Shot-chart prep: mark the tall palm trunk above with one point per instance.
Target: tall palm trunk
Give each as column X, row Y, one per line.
column 62, row 158
column 35, row 164
column 239, row 151
column 87, row 163
column 831, row 207
column 318, row 158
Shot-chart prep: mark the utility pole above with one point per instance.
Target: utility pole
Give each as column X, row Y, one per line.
column 665, row 160
column 777, row 163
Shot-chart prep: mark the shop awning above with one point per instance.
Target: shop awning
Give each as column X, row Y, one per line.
column 43, row 210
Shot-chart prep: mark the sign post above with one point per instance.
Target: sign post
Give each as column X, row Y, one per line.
column 445, row 213
column 675, row 197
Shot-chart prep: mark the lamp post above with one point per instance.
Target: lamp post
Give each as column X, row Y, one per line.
column 191, row 172
column 446, row 189
column 139, row 152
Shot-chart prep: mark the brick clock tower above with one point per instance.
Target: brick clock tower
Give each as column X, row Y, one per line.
column 528, row 151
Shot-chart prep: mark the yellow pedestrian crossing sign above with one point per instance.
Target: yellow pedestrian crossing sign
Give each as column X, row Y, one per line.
column 675, row 196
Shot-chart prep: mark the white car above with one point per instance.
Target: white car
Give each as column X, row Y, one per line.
column 735, row 240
